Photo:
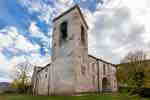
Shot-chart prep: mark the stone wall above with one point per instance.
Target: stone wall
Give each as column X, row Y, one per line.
column 43, row 82
column 92, row 72
column 90, row 81
column 40, row 81
column 69, row 56
column 72, row 69
column 97, row 74
column 34, row 79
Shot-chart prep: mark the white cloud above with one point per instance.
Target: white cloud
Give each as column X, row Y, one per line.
column 7, row 67
column 11, row 39
column 39, row 60
column 23, row 44
column 47, row 11
column 5, row 41
column 7, row 36
column 3, row 63
column 4, row 68
column 36, row 32
column 117, row 28
column 47, row 14
column 33, row 28
column 146, row 37
column 66, row 2
column 108, row 24
column 45, row 40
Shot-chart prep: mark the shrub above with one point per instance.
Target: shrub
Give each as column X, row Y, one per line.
column 144, row 92
column 125, row 89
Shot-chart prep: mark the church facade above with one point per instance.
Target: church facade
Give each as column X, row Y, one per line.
column 72, row 69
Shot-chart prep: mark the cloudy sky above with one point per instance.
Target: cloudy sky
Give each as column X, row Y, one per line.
column 116, row 27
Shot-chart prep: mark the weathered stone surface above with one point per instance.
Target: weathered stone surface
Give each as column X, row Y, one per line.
column 72, row 70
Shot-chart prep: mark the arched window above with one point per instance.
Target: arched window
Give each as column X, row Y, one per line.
column 63, row 31
column 105, row 85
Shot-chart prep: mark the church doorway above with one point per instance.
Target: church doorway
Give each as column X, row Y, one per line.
column 105, row 85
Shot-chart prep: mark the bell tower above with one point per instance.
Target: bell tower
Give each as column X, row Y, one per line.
column 69, row 51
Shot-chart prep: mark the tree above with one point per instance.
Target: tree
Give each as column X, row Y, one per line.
column 22, row 76
column 134, row 56
column 131, row 72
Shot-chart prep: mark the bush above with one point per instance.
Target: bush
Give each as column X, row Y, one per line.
column 125, row 89
column 8, row 92
column 144, row 92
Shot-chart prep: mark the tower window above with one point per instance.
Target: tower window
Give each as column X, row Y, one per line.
column 63, row 30
column 82, row 34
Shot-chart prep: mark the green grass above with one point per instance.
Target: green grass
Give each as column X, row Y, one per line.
column 85, row 97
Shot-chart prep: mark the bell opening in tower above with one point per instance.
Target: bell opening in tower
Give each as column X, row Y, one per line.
column 63, row 31
column 82, row 34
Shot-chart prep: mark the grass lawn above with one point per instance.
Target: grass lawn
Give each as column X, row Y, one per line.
column 85, row 97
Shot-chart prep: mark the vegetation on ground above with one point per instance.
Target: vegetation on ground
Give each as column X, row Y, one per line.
column 115, row 96
column 21, row 75
column 134, row 72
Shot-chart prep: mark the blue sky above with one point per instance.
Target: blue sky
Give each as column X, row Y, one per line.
column 26, row 28
column 116, row 27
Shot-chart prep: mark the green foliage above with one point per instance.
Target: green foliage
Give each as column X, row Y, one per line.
column 22, row 77
column 20, row 86
column 134, row 74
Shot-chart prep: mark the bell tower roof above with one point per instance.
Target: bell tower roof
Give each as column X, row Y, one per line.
column 68, row 11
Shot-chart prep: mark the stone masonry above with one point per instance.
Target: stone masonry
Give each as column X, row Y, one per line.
column 72, row 70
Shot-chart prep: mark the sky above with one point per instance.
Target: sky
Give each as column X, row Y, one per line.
column 115, row 28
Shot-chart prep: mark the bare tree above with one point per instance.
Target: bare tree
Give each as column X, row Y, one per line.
column 22, row 75
column 134, row 56
column 131, row 71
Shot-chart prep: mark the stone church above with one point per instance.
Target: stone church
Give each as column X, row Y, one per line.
column 72, row 70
